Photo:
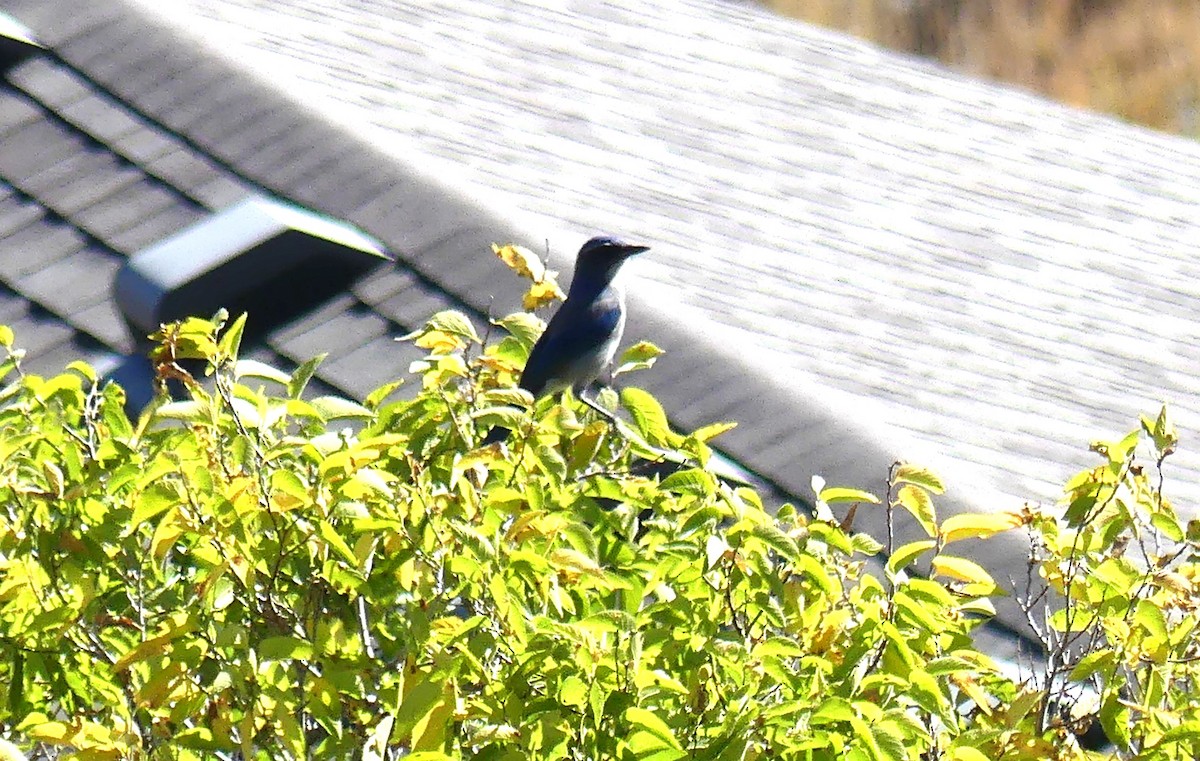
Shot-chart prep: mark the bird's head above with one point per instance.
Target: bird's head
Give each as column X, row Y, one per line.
column 603, row 255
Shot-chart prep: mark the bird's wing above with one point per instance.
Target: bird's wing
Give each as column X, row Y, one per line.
column 570, row 337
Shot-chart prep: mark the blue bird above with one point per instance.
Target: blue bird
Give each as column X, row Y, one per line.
column 582, row 337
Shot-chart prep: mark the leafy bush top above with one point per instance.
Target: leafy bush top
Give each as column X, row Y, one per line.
column 247, row 572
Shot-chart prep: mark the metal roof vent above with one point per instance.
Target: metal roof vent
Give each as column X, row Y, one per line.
column 16, row 42
column 262, row 256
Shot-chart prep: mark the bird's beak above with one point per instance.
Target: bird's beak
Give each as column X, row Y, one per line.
column 628, row 249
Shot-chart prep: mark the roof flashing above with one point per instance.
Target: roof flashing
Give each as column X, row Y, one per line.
column 239, row 256
column 17, row 42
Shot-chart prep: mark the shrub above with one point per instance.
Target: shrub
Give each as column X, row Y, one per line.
column 247, row 572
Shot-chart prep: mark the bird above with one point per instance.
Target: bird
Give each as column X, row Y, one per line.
column 581, row 339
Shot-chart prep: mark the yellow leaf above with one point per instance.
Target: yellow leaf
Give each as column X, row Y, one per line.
column 440, row 343
column 429, row 734
column 836, row 494
column 916, row 500
column 54, row 732
column 165, row 534
column 521, row 260
column 960, row 569
column 908, row 473
column 906, row 554
column 963, row 753
column 974, row 691
column 241, row 568
column 571, row 560
column 713, row 430
column 978, row 526
column 161, row 686
column 176, row 626
column 536, row 523
column 542, row 293
column 288, row 491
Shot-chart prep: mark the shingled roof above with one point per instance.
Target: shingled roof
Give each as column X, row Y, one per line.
column 971, row 273
column 89, row 179
column 857, row 256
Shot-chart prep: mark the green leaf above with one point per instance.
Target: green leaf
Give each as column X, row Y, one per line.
column 154, row 500
column 231, row 339
column 918, row 612
column 815, row 571
column 1188, row 731
column 505, row 417
column 691, row 481
column 84, row 369
column 368, row 482
column 952, row 664
column 648, row 415
column 832, row 535
column 770, row 535
column 652, row 738
column 640, row 356
column 506, row 397
column 573, row 691
column 416, row 706
column 455, row 323
column 642, row 351
column 193, row 339
column 176, row 626
column 289, row 483
column 1117, row 721
column 113, row 413
column 524, row 326
column 10, row 364
column 1117, row 451
column 1092, row 663
column 1168, row 525
column 1150, row 617
column 608, row 621
column 303, row 374
column 199, row 738
column 890, row 746
column 927, row 693
column 1162, row 432
column 377, row 397
column 833, row 710
column 285, row 648
column 865, row 544
column 374, row 749
column 6, row 337
column 336, row 543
